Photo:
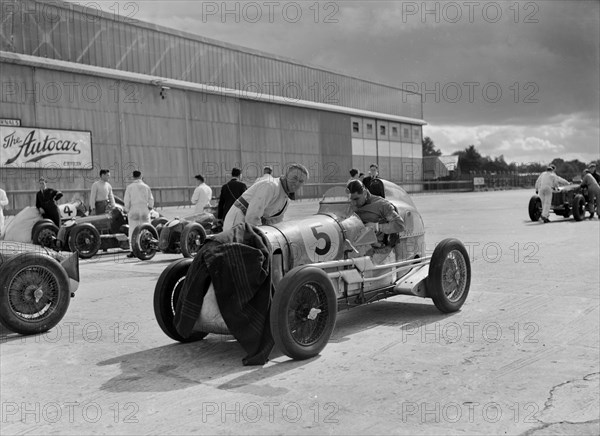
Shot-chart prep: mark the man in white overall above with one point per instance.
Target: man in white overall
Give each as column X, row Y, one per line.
column 265, row 202
column 546, row 182
column 138, row 202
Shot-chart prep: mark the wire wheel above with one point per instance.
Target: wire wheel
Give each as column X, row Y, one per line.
column 32, row 292
column 307, row 313
column 449, row 275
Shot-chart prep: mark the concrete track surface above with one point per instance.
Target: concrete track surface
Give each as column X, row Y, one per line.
column 521, row 357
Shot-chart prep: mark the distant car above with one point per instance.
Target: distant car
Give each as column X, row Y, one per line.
column 327, row 262
column 179, row 235
column 36, row 286
column 571, row 199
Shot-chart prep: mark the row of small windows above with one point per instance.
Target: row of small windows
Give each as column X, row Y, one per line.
column 369, row 127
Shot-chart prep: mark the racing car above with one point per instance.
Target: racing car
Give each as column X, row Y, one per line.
column 36, row 286
column 328, row 262
column 87, row 235
column 567, row 200
column 179, row 235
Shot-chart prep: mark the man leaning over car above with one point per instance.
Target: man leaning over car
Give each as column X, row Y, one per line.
column 376, row 212
column 545, row 183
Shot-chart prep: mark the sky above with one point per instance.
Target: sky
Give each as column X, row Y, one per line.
column 517, row 79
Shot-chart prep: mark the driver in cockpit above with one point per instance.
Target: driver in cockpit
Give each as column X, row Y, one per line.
column 376, row 213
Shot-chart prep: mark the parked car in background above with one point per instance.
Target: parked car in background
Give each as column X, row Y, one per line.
column 567, row 200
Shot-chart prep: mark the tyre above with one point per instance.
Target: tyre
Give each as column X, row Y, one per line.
column 449, row 275
column 192, row 239
column 303, row 312
column 166, row 295
column 159, row 223
column 34, row 293
column 84, row 240
column 535, row 208
column 44, row 233
column 578, row 207
column 144, row 241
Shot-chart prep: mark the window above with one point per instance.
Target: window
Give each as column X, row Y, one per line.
column 394, row 131
column 406, row 133
column 355, row 128
column 382, row 130
column 370, row 128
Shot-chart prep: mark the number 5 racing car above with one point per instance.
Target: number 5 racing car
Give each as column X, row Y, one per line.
column 328, row 262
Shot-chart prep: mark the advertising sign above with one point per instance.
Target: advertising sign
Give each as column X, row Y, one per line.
column 24, row 147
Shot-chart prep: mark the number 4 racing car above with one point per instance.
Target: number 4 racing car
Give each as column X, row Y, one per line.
column 330, row 261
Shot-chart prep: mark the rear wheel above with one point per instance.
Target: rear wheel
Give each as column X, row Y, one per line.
column 166, row 294
column 303, row 312
column 144, row 241
column 449, row 275
column 84, row 240
column 159, row 223
column 578, row 207
column 34, row 293
column 192, row 239
column 44, row 234
column 535, row 208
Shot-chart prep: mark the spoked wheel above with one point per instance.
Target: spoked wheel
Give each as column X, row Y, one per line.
column 192, row 239
column 449, row 275
column 303, row 312
column 535, row 208
column 144, row 241
column 84, row 240
column 34, row 293
column 166, row 294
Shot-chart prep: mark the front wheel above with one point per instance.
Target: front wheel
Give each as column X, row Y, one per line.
column 535, row 208
column 166, row 294
column 192, row 239
column 449, row 275
column 34, row 293
column 303, row 312
column 144, row 241
column 84, row 240
column 578, row 207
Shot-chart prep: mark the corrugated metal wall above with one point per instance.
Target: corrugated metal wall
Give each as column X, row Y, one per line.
column 69, row 32
column 169, row 139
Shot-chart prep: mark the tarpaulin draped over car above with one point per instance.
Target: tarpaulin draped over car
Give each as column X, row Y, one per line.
column 237, row 262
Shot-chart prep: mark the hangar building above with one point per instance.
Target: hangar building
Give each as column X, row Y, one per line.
column 84, row 89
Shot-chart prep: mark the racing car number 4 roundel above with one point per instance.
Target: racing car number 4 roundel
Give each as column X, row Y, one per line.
column 321, row 241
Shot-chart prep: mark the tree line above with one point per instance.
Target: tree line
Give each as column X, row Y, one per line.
column 470, row 161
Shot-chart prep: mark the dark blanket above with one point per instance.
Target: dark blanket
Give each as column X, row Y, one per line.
column 237, row 262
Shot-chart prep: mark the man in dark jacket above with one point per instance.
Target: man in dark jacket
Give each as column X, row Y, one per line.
column 230, row 192
column 373, row 183
column 45, row 201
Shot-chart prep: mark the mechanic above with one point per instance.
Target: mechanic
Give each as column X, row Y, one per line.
column 102, row 194
column 545, row 183
column 3, row 202
column 202, row 194
column 266, row 202
column 138, row 202
column 230, row 192
column 373, row 183
column 376, row 212
column 595, row 175
column 45, row 202
column 593, row 191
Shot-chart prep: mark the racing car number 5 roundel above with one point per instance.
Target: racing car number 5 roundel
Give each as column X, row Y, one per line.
column 321, row 241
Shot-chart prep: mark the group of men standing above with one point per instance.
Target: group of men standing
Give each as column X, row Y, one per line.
column 264, row 202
